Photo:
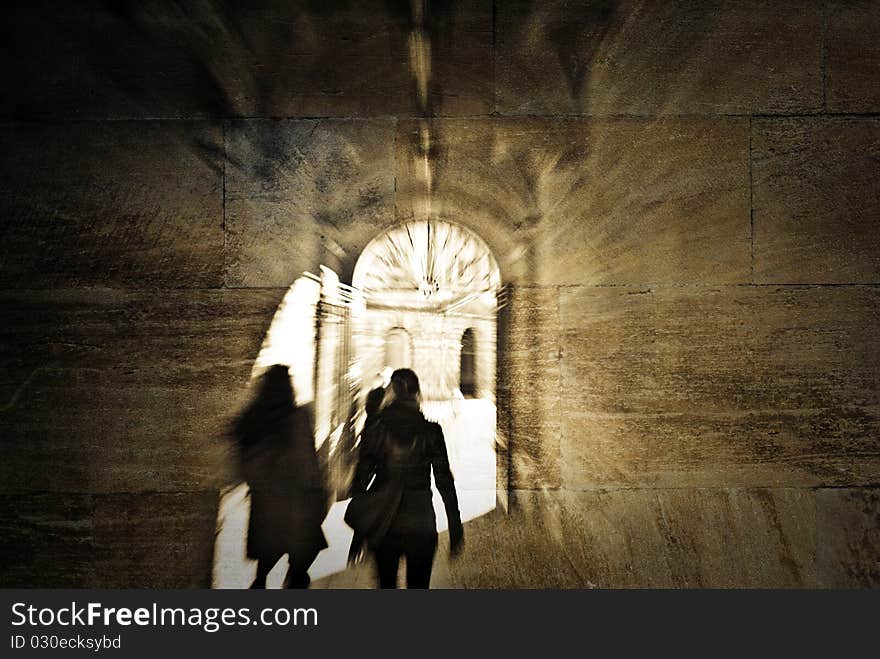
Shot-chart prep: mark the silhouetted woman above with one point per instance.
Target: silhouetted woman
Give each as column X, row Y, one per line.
column 373, row 404
column 400, row 449
column 288, row 495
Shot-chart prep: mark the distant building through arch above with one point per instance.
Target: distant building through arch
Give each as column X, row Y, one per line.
column 398, row 348
column 467, row 380
column 434, row 280
column 424, row 295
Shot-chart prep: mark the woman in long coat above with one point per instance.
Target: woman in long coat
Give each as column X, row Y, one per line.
column 287, row 489
column 398, row 452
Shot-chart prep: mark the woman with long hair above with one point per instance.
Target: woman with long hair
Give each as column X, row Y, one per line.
column 398, row 453
column 287, row 490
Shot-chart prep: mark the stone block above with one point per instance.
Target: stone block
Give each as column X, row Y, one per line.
column 304, row 193
column 126, row 540
column 848, row 537
column 773, row 449
column 154, row 540
column 626, row 349
column 815, row 200
column 531, row 363
column 47, row 540
column 112, row 390
column 569, row 201
column 111, row 203
column 735, row 386
column 814, row 347
column 852, row 56
column 628, row 57
column 270, row 59
column 641, row 538
column 344, row 60
column 691, row 538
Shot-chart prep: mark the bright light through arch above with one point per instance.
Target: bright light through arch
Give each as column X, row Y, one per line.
column 429, row 264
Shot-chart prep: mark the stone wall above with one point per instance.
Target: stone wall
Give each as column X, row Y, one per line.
column 435, row 348
column 682, row 197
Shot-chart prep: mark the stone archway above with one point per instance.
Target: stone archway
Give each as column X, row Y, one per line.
column 434, row 280
column 438, row 283
column 425, row 284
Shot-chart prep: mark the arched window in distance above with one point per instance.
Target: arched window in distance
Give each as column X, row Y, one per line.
column 398, row 348
column 468, row 369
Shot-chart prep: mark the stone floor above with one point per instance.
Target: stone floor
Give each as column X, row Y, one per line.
column 469, row 429
column 711, row 537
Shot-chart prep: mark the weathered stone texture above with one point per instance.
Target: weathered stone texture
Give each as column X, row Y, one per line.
column 735, row 386
column 126, row 540
column 340, row 59
column 217, row 59
column 590, row 201
column 46, row 540
column 468, row 182
column 665, row 538
column 660, row 202
column 154, row 540
column 532, row 389
column 689, row 381
column 815, row 200
column 630, row 57
column 642, row 538
column 108, row 390
column 815, row 347
column 304, row 193
column 848, row 537
column 111, row 203
column 852, row 56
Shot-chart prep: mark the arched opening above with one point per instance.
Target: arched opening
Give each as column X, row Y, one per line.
column 421, row 294
column 437, row 284
column 398, row 348
column 435, row 279
column 467, row 372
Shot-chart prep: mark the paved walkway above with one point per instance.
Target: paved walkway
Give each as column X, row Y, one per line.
column 469, row 429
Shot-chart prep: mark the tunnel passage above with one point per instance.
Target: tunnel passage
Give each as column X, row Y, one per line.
column 424, row 295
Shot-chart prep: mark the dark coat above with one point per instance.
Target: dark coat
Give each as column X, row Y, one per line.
column 400, row 449
column 287, row 489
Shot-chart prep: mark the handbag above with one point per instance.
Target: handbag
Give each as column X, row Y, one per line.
column 371, row 513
